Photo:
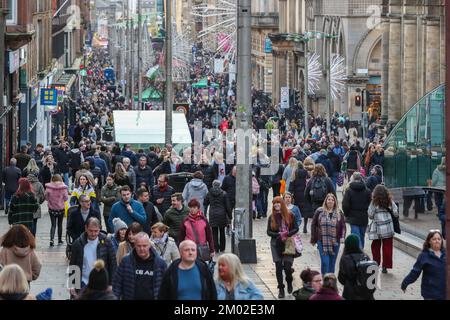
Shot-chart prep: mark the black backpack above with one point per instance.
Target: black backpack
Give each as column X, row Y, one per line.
column 365, row 271
column 318, row 189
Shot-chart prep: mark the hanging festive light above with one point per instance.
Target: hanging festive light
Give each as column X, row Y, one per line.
column 337, row 76
column 314, row 73
column 219, row 27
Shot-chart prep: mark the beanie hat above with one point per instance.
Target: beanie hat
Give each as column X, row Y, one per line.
column 45, row 295
column 216, row 183
column 98, row 278
column 352, row 242
column 119, row 224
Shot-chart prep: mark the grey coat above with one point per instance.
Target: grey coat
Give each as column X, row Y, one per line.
column 195, row 189
column 168, row 251
column 39, row 193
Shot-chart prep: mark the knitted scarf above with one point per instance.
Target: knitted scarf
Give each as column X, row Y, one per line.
column 328, row 231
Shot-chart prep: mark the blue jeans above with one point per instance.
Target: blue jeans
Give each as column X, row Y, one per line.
column 8, row 196
column 360, row 232
column 328, row 261
column 261, row 202
column 65, row 177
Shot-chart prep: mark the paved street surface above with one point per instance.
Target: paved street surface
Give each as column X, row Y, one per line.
column 54, row 264
column 265, row 269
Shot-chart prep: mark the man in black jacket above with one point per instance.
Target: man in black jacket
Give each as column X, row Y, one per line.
column 152, row 215
column 144, row 173
column 78, row 215
column 229, row 186
column 162, row 193
column 89, row 247
column 10, row 177
column 61, row 155
column 188, row 278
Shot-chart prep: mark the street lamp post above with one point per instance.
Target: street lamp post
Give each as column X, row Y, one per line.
column 329, row 92
column 305, row 104
column 169, row 87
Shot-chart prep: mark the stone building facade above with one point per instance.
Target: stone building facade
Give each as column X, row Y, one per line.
column 413, row 39
column 287, row 55
column 264, row 22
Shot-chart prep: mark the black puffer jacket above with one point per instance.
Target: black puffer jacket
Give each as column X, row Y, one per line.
column 355, row 203
column 104, row 251
column 297, row 188
column 229, row 186
column 62, row 158
column 220, row 210
column 144, row 175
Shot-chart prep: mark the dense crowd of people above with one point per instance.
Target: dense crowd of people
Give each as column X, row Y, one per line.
column 134, row 236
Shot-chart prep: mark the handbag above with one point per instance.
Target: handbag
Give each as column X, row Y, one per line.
column 289, row 247
column 202, row 249
column 395, row 222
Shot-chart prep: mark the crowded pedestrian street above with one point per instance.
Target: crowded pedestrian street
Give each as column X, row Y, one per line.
column 232, row 153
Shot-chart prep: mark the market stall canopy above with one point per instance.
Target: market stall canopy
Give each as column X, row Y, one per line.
column 204, row 84
column 150, row 94
column 146, row 128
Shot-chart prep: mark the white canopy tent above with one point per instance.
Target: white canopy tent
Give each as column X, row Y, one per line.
column 142, row 129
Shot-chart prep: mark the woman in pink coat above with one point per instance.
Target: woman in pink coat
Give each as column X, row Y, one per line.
column 56, row 194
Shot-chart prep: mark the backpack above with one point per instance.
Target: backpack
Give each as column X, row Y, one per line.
column 318, row 190
column 365, row 269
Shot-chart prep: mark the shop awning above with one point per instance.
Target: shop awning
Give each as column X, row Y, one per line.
column 150, row 94
column 66, row 80
column 204, row 84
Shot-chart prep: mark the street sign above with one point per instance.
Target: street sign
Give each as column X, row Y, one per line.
column 268, row 46
column 49, row 98
column 284, row 99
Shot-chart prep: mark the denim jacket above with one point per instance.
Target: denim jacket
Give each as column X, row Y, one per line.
column 240, row 292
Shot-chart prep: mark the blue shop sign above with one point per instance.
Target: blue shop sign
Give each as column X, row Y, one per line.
column 268, row 46
column 49, row 97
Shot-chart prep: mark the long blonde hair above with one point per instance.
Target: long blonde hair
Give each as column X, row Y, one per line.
column 336, row 205
column 235, row 267
column 32, row 167
column 293, row 163
column 13, row 280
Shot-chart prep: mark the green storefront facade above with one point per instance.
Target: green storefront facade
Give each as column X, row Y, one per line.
column 416, row 145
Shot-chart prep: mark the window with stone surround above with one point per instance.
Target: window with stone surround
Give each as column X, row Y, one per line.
column 11, row 17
